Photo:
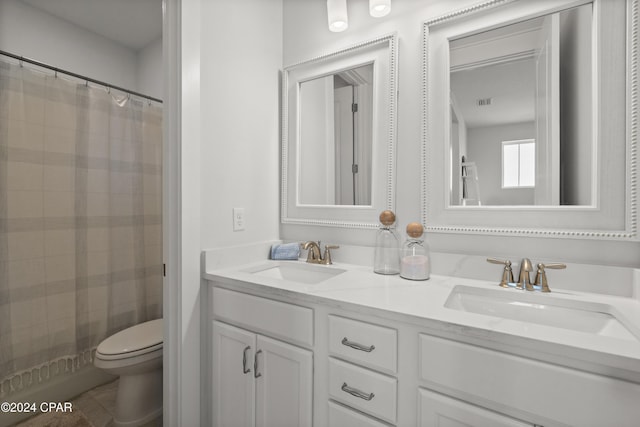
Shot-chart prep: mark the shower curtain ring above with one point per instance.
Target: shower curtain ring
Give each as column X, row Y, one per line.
column 20, row 61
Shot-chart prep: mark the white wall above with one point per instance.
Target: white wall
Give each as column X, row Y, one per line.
column 484, row 146
column 240, row 61
column 231, row 54
column 32, row 33
column 306, row 36
column 35, row 34
column 149, row 75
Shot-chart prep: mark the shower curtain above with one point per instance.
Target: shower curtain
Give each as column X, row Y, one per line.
column 80, row 221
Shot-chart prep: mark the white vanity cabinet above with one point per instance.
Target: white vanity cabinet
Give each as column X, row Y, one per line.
column 233, row 383
column 540, row 393
column 437, row 410
column 364, row 343
column 257, row 380
column 343, row 416
column 362, row 365
column 288, row 359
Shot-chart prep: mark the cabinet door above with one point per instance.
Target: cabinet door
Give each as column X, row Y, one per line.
column 437, row 410
column 284, row 384
column 233, row 384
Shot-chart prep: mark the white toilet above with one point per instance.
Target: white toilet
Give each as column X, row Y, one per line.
column 135, row 354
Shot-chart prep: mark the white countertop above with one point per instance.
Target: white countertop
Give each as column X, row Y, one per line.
column 423, row 302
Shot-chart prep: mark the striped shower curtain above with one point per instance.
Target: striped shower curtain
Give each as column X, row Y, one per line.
column 80, row 221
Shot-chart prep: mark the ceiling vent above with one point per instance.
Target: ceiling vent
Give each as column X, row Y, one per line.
column 483, row 102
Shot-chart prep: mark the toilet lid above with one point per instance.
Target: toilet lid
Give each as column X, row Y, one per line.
column 147, row 335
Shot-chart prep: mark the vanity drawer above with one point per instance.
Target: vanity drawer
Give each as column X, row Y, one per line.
column 365, row 390
column 370, row 345
column 342, row 416
column 541, row 393
column 288, row 322
column 434, row 407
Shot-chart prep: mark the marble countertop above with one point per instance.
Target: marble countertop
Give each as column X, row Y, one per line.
column 423, row 303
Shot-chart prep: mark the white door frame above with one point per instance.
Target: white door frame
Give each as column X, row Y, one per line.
column 171, row 212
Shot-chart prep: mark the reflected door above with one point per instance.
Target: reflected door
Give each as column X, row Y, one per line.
column 344, row 140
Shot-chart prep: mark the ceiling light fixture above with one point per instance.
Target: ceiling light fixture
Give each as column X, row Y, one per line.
column 379, row 8
column 337, row 15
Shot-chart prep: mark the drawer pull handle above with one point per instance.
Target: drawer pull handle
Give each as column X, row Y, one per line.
column 357, row 346
column 245, row 370
column 256, row 374
column 357, row 393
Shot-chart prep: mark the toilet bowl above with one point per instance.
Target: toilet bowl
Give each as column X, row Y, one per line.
column 135, row 355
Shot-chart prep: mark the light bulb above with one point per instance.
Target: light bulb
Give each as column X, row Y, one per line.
column 379, row 8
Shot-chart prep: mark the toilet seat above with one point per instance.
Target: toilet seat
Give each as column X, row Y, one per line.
column 137, row 340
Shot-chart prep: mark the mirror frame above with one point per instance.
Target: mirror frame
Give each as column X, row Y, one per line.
column 382, row 52
column 613, row 215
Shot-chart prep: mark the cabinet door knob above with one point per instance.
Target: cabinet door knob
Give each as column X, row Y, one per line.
column 369, row 349
column 256, row 374
column 357, row 393
column 245, row 370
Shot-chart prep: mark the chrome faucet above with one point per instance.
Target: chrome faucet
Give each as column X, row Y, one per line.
column 314, row 256
column 524, row 279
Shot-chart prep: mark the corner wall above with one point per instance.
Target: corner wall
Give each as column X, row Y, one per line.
column 149, row 72
column 34, row 34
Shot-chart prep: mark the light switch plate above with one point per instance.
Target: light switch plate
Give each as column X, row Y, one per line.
column 238, row 219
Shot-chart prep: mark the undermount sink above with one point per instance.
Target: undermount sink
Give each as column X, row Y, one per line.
column 294, row 271
column 541, row 309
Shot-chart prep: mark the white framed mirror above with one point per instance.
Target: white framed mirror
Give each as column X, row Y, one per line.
column 338, row 136
column 529, row 119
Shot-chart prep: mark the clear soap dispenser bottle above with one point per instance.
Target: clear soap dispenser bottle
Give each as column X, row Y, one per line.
column 415, row 261
column 387, row 250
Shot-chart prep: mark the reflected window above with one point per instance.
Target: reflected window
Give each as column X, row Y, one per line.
column 519, row 163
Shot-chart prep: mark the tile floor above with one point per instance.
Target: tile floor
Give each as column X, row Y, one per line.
column 94, row 408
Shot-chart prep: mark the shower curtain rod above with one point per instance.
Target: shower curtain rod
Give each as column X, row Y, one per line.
column 79, row 76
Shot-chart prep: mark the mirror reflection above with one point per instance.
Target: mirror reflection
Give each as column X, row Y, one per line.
column 518, row 95
column 335, row 148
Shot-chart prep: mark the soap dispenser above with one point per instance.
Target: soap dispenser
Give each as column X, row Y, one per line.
column 415, row 261
column 387, row 249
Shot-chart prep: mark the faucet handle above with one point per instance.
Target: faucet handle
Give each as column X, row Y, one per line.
column 541, row 275
column 327, row 253
column 554, row 265
column 507, row 273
